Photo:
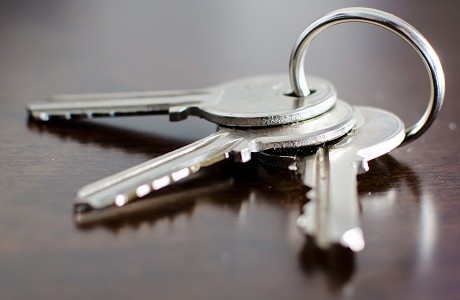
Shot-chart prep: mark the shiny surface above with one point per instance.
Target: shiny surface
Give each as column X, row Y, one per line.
column 233, row 234
column 258, row 101
column 387, row 21
column 332, row 216
column 147, row 178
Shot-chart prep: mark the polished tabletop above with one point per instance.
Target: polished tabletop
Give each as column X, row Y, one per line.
column 229, row 231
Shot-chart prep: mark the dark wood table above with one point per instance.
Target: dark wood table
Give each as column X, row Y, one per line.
column 229, row 231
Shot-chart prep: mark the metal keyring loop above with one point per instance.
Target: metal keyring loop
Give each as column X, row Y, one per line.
column 387, row 21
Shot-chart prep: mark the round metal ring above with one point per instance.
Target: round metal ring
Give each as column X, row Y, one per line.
column 387, row 21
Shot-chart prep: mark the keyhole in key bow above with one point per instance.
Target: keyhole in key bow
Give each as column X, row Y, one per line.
column 291, row 93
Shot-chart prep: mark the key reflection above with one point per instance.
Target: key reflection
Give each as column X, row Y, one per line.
column 378, row 185
column 428, row 228
column 337, row 264
column 183, row 196
column 393, row 177
column 378, row 189
column 386, row 174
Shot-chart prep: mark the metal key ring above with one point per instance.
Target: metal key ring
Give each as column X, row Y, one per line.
column 387, row 21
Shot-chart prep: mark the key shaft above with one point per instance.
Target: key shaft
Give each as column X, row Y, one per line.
column 332, row 215
column 115, row 104
column 141, row 180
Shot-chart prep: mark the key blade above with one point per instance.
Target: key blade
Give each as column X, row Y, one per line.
column 178, row 200
column 332, row 215
column 376, row 133
column 142, row 180
column 306, row 169
column 344, row 220
column 314, row 173
column 117, row 104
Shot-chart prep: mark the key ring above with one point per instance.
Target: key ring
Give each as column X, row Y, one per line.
column 387, row 21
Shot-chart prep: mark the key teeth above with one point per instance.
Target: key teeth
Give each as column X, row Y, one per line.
column 302, row 222
column 40, row 116
column 81, row 208
column 52, row 116
column 306, row 222
column 311, row 194
column 243, row 156
column 43, row 117
column 178, row 113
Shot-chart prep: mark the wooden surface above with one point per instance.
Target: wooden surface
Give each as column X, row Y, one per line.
column 229, row 232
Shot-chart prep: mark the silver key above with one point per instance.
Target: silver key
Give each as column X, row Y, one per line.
column 185, row 198
column 332, row 215
column 155, row 174
column 249, row 102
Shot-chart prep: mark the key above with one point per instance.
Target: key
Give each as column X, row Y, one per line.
column 249, row 102
column 332, row 215
column 164, row 204
column 141, row 180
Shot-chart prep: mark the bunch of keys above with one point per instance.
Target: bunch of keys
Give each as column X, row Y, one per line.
column 269, row 115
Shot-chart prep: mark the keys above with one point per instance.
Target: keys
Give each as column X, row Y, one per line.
column 267, row 117
column 249, row 102
column 139, row 181
column 332, row 215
